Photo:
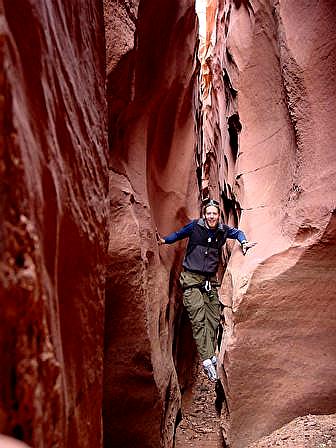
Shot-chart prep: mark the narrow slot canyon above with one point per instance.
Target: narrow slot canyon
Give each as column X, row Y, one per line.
column 120, row 120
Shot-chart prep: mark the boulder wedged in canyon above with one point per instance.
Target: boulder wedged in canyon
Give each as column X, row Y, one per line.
column 152, row 89
column 272, row 111
column 53, row 221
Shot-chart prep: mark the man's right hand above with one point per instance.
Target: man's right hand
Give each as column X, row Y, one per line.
column 159, row 240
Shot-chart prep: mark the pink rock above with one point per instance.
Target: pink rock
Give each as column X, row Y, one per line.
column 274, row 70
column 151, row 91
column 8, row 442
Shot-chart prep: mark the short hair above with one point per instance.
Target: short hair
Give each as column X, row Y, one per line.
column 211, row 202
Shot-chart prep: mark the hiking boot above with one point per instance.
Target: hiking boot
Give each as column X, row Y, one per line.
column 210, row 370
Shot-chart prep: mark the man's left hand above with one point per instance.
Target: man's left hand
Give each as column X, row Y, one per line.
column 245, row 245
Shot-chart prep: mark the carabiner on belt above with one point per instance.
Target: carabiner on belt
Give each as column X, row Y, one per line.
column 207, row 285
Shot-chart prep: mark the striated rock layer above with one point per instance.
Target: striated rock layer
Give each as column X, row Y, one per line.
column 151, row 93
column 53, row 170
column 269, row 134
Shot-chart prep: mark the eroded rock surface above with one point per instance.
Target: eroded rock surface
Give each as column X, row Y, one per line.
column 53, row 221
column 151, row 95
column 309, row 431
column 269, row 138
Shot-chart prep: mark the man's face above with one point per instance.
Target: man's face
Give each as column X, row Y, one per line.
column 211, row 216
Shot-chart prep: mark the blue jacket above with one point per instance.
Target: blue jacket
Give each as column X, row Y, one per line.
column 205, row 245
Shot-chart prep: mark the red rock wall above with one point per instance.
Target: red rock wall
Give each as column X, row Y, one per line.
column 53, row 221
column 152, row 96
column 267, row 151
column 270, row 130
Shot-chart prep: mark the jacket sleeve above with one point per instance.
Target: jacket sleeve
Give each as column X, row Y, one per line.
column 236, row 234
column 184, row 232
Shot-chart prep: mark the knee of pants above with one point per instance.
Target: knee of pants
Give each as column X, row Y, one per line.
column 197, row 325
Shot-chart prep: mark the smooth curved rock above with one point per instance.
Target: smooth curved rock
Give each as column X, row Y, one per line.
column 8, row 442
column 273, row 72
column 151, row 93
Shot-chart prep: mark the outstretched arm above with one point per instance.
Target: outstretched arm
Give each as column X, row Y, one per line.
column 185, row 232
column 236, row 234
column 240, row 236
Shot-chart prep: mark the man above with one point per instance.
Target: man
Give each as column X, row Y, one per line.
column 198, row 280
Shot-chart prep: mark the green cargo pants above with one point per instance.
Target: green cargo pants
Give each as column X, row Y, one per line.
column 203, row 311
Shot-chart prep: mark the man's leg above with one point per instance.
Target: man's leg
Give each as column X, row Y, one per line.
column 193, row 301
column 212, row 318
column 194, row 304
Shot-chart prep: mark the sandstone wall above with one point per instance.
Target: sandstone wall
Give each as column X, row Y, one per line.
column 266, row 149
column 152, row 76
column 271, row 132
column 53, row 221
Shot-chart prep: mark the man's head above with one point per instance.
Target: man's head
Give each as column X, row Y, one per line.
column 211, row 213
